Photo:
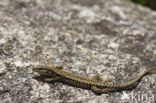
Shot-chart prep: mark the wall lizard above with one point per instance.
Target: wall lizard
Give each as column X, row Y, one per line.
column 53, row 73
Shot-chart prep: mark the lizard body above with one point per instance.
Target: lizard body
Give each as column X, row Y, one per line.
column 96, row 84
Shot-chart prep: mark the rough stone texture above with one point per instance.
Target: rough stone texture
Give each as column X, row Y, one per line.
column 114, row 38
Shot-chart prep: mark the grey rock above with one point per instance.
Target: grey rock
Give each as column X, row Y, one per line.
column 114, row 38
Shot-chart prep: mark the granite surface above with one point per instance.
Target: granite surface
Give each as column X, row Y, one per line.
column 114, row 38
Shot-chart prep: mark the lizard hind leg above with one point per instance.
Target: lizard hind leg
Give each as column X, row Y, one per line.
column 97, row 77
column 51, row 79
column 53, row 66
column 59, row 67
column 97, row 90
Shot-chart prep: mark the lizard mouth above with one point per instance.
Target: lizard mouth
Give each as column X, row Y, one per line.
column 41, row 74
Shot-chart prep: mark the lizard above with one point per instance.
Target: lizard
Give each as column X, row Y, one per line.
column 53, row 73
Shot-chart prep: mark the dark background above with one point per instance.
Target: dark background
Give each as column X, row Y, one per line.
column 149, row 3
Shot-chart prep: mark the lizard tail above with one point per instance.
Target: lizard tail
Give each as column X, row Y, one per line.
column 152, row 70
column 131, row 83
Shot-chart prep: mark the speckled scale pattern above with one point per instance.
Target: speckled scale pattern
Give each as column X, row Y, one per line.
column 84, row 82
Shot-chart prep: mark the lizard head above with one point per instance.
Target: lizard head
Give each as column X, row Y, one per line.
column 46, row 70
